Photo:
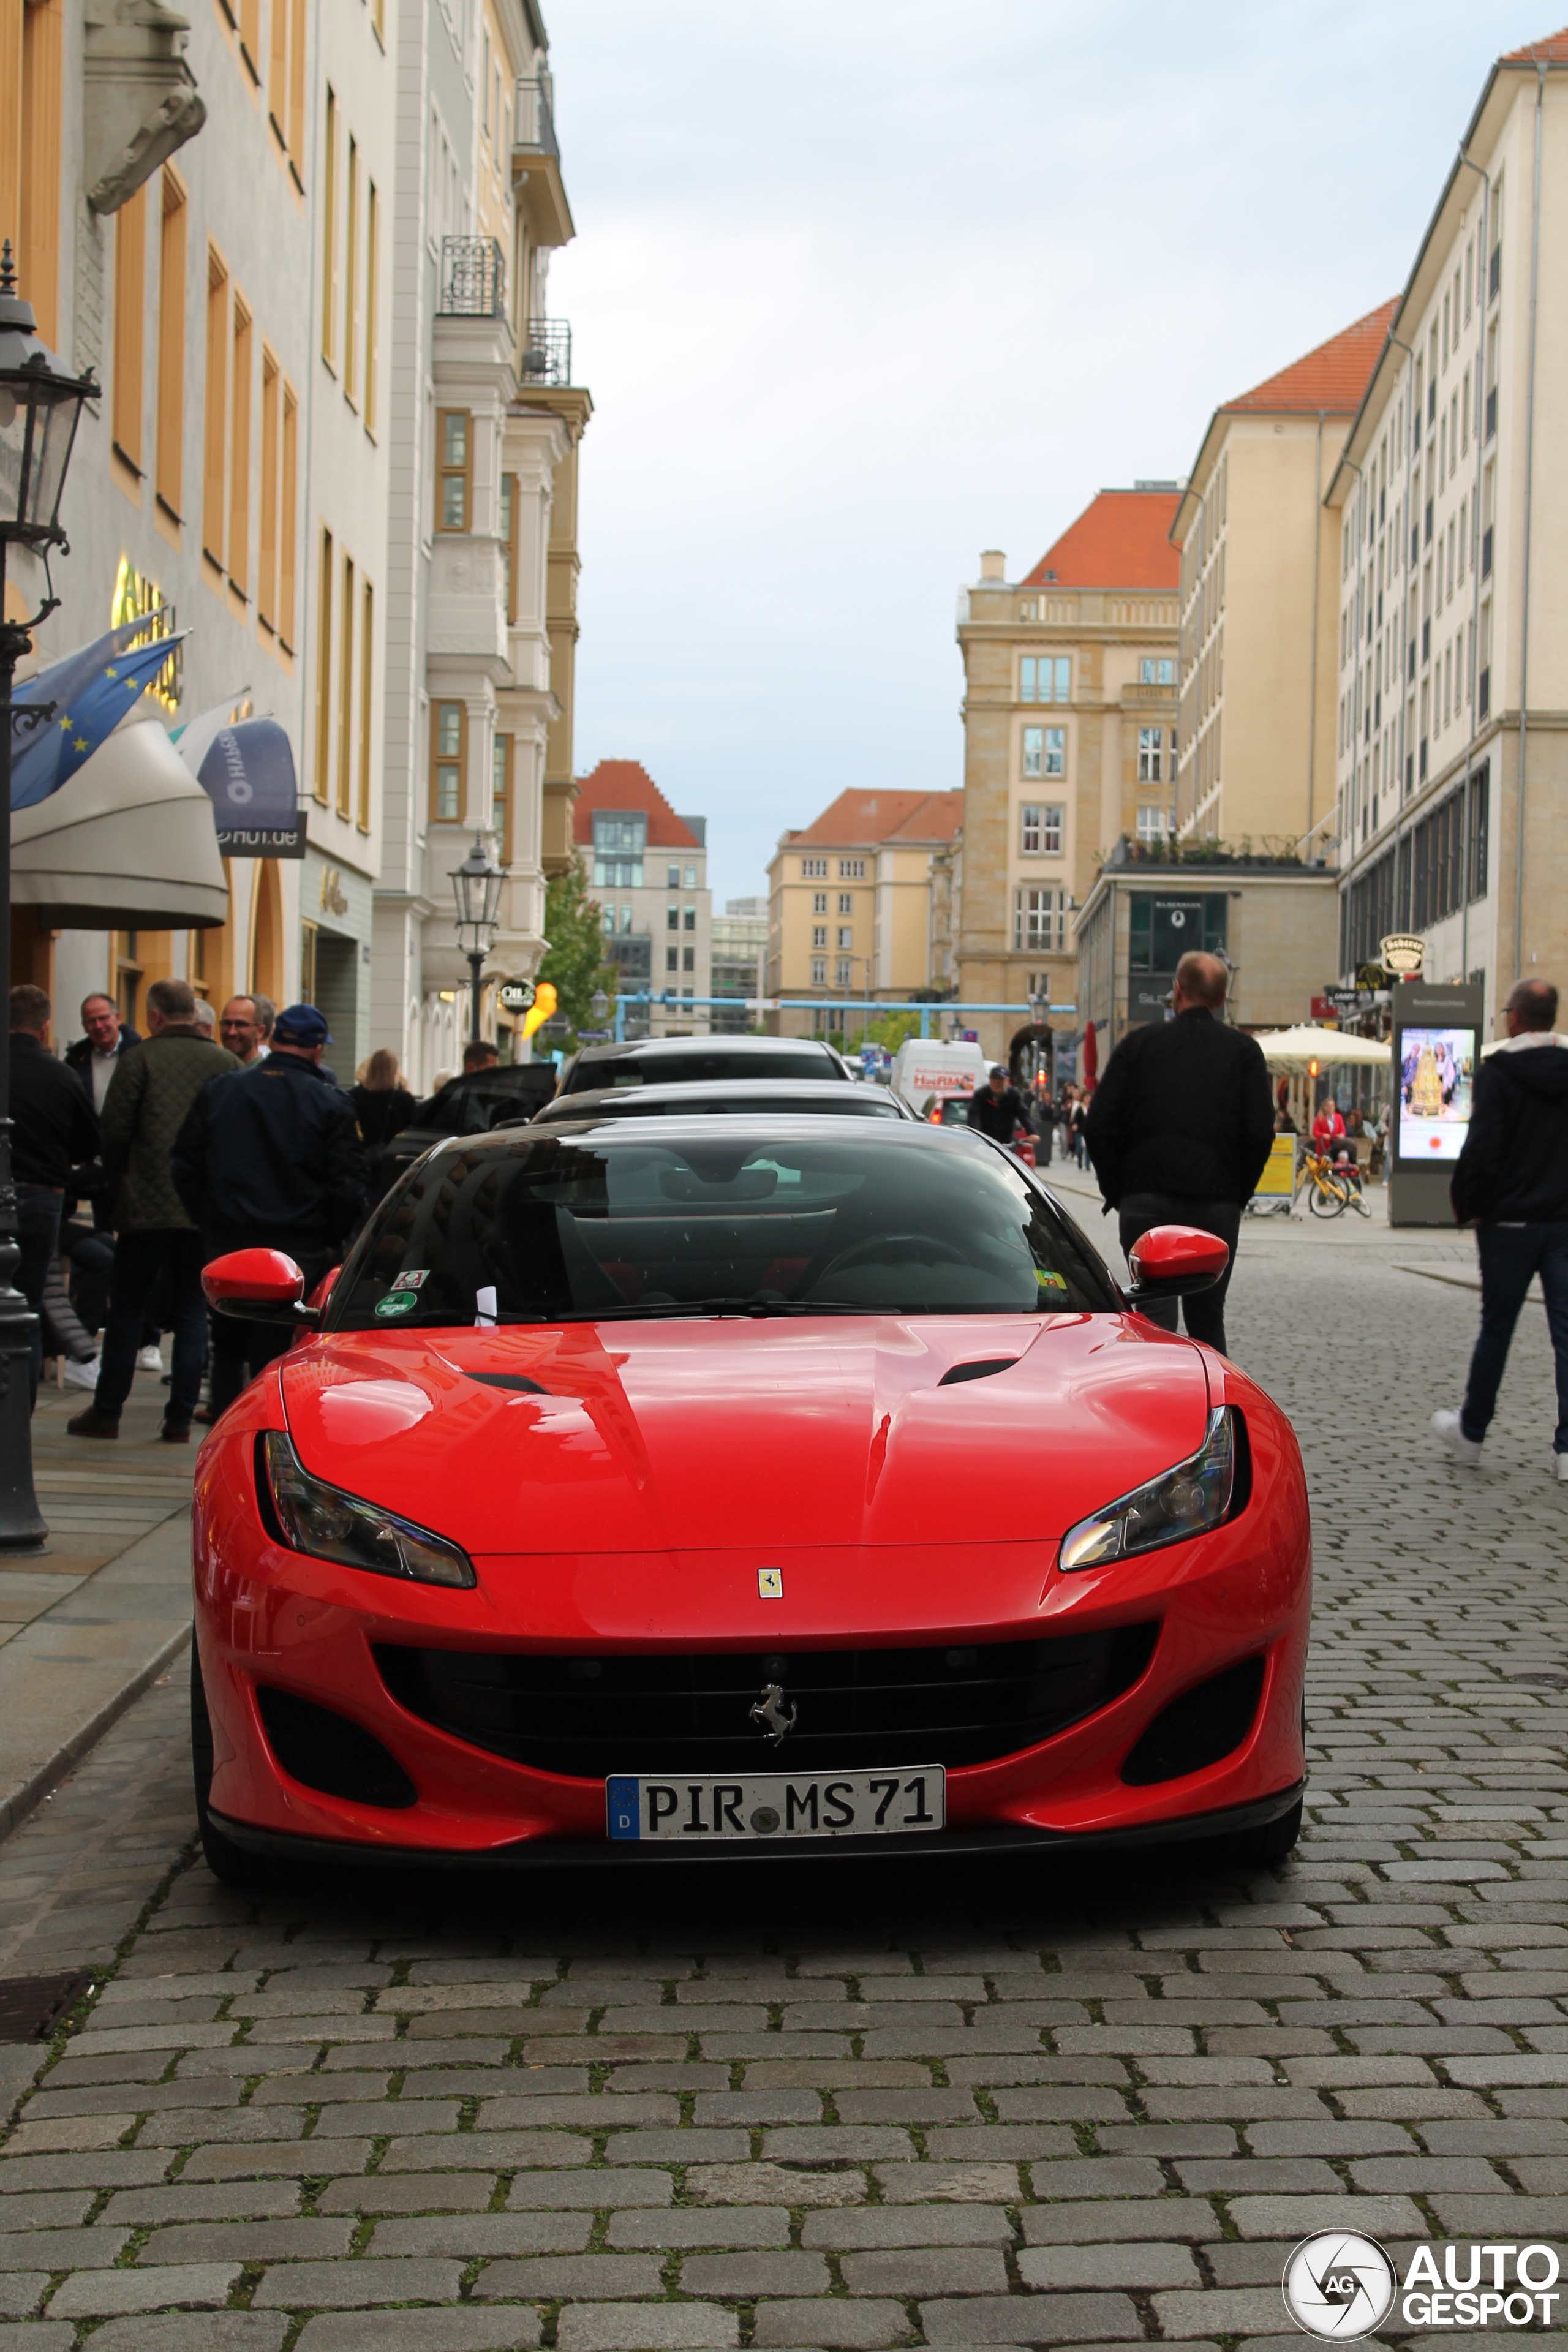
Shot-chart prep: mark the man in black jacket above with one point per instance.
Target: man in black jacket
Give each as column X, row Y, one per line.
column 1180, row 1128
column 270, row 1158
column 1510, row 1181
column 55, row 1130
column 997, row 1109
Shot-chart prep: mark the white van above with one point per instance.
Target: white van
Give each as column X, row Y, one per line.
column 926, row 1073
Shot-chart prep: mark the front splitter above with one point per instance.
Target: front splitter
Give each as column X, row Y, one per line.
column 564, row 1853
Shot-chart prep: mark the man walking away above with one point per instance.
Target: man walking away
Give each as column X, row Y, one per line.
column 1510, row 1181
column 997, row 1109
column 271, row 1159
column 1180, row 1128
column 96, row 1057
column 54, row 1129
column 143, row 1111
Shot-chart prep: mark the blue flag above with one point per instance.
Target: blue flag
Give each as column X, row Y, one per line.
column 92, row 692
column 248, row 771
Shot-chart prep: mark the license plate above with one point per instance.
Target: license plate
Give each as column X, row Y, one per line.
column 780, row 1806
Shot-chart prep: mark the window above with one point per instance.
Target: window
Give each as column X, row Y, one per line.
column 215, row 419
column 285, row 540
column 130, row 317
column 351, row 280
column 672, row 958
column 1056, row 751
column 372, row 263
column 846, row 902
column 819, row 935
column 813, row 869
column 240, row 454
column 1034, row 751
column 692, row 877
column 330, row 230
column 852, row 870
column 820, row 971
column 319, row 782
column 1044, row 677
column 508, row 521
column 501, row 796
column 620, row 838
column 266, row 573
column 845, row 973
column 672, row 915
column 169, row 460
column 448, row 754
column 346, row 694
column 846, row 935
column 689, row 921
column 1158, row 672
column 366, row 645
column 1040, row 834
column 1152, row 825
column 454, row 441
column 1039, row 921
column 1149, row 755
column 688, row 959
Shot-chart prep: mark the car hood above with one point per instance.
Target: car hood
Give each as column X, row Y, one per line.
column 680, row 1437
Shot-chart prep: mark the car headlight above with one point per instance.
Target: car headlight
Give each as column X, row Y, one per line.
column 1183, row 1502
column 320, row 1519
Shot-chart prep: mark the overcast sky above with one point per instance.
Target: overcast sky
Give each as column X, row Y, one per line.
column 861, row 288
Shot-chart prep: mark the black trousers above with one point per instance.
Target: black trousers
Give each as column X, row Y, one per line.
column 1204, row 1312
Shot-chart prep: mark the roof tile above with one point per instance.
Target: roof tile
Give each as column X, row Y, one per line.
column 1331, row 378
column 1552, row 51
column 1120, row 540
column 625, row 784
column 858, row 819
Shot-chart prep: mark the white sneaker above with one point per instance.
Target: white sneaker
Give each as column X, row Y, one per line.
column 81, row 1376
column 148, row 1360
column 1447, row 1425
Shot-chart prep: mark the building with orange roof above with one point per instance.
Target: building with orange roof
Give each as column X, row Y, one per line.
column 1069, row 742
column 647, row 867
column 849, row 899
column 1259, row 602
column 1449, row 513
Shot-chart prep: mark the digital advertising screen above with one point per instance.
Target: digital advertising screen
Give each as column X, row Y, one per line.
column 1436, row 1073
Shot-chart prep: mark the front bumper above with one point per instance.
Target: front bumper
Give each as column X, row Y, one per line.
column 564, row 1853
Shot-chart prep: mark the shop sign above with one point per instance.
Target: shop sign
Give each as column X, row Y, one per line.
column 515, row 995
column 135, row 594
column 1403, row 952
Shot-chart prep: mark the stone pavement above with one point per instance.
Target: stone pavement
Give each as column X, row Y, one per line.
column 979, row 2104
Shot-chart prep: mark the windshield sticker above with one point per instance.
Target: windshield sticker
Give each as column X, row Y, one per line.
column 485, row 1302
column 396, row 1303
column 414, row 1278
column 1046, row 1280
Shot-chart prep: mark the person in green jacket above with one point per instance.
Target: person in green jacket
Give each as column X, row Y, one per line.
column 152, row 1087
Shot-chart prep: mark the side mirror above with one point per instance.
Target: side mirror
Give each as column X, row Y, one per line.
column 1175, row 1261
column 262, row 1285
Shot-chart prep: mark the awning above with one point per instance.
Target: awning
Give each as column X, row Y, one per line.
column 127, row 843
column 1293, row 1049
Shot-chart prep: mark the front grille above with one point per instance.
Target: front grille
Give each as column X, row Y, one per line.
column 658, row 1712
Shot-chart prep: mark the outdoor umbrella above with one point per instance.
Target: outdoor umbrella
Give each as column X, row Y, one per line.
column 1294, row 1049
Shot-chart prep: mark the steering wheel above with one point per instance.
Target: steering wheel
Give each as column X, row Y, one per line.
column 881, row 1245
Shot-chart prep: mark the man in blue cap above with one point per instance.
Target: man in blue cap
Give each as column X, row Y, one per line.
column 271, row 1159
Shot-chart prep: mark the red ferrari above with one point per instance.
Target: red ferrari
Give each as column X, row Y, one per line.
column 668, row 1487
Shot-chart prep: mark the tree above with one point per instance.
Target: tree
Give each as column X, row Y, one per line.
column 574, row 959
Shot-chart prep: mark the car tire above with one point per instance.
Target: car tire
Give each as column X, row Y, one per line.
column 228, row 1863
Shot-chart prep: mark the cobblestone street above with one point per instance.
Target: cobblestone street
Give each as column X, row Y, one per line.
column 976, row 2105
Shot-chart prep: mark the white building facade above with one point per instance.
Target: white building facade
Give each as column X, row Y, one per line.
column 483, row 423
column 1452, row 493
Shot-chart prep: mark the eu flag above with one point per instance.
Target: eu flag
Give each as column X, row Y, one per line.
column 92, row 692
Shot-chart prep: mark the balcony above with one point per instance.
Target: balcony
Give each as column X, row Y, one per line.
column 534, row 121
column 473, row 278
column 536, row 163
column 546, row 353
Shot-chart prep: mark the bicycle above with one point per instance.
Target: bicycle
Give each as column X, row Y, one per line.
column 1330, row 1188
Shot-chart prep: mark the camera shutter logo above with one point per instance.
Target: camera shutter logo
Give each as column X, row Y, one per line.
column 1339, row 2285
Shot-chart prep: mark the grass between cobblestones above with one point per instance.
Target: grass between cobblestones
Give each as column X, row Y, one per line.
column 959, row 2105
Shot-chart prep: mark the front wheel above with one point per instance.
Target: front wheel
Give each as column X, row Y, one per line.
column 227, row 1862
column 1325, row 1199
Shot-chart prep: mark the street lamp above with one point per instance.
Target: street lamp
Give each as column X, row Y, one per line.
column 475, row 886
column 598, row 1006
column 39, row 410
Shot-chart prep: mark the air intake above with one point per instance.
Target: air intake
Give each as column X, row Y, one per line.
column 326, row 1751
column 1198, row 1728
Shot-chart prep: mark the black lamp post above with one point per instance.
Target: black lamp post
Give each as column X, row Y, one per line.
column 39, row 409
column 475, row 886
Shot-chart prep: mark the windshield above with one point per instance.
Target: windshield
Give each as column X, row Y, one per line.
column 525, row 1226
column 845, row 1102
column 704, row 1062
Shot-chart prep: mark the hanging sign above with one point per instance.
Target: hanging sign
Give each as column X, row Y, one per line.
column 1403, row 952
column 515, row 995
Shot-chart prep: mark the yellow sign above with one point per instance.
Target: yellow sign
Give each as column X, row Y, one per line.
column 1277, row 1181
column 135, row 594
column 543, row 1006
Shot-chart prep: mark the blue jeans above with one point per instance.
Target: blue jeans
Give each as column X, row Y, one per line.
column 140, row 1258
column 37, row 1238
column 1510, row 1256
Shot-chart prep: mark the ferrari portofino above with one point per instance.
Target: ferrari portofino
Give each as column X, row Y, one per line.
column 669, row 1486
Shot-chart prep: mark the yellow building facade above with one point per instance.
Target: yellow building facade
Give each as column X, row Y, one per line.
column 850, row 897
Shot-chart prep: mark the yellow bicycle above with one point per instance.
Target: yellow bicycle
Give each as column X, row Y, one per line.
column 1332, row 1187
